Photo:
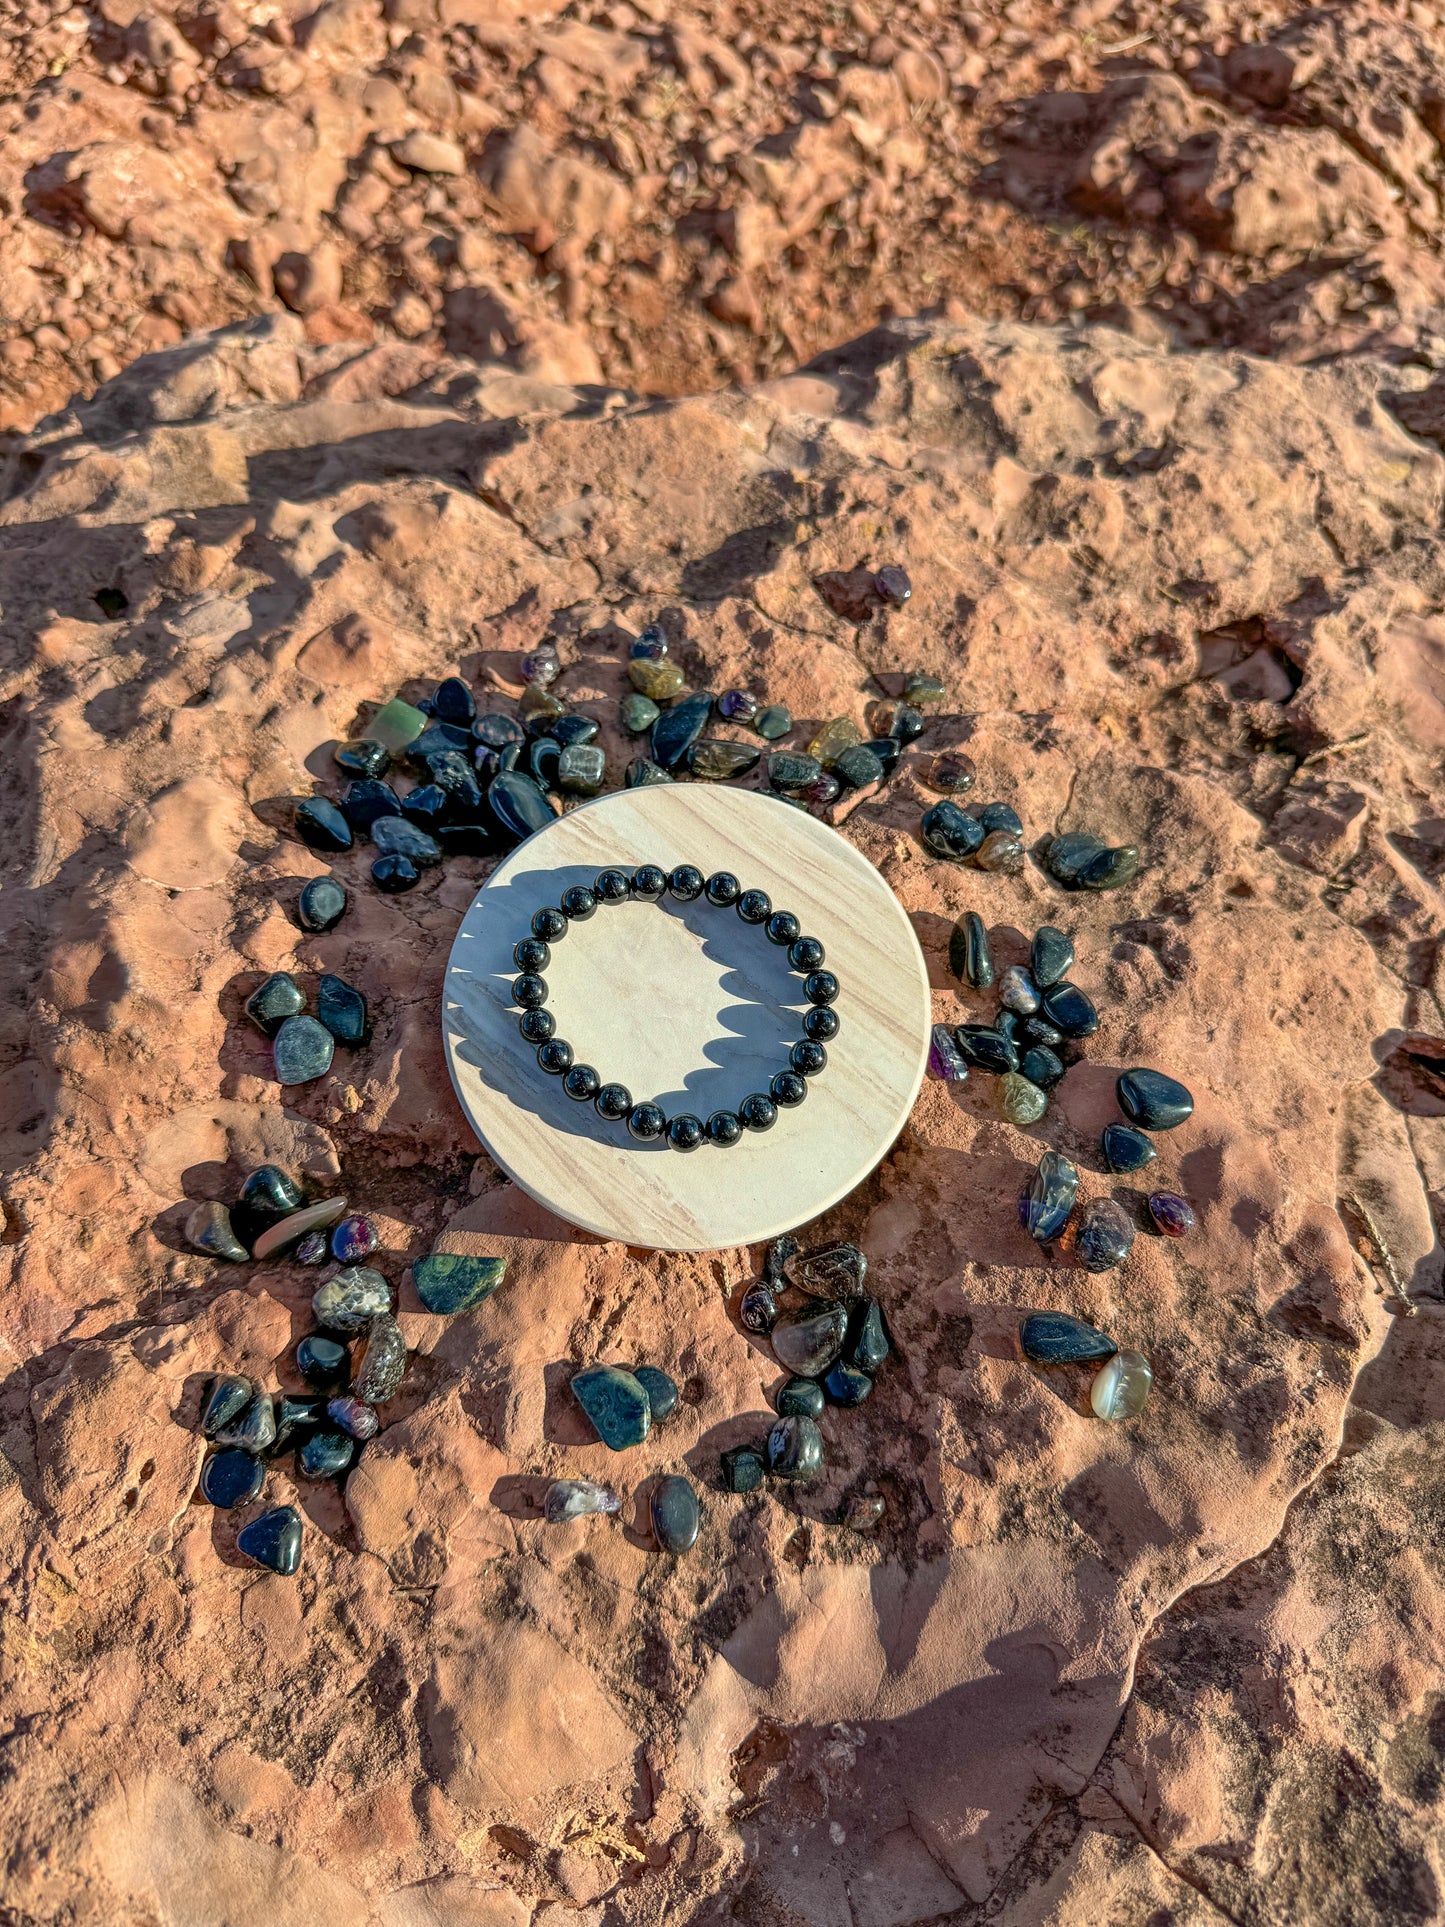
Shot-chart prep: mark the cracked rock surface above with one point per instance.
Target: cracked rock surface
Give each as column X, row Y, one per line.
column 1183, row 1669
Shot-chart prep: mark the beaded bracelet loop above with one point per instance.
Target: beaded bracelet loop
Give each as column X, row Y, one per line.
column 647, row 1121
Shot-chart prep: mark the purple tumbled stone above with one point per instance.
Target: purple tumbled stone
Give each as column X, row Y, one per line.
column 353, row 1416
column 541, row 665
column 823, row 789
column 892, row 583
column 1171, row 1214
column 353, row 1239
column 737, row 705
column 650, row 646
column 313, row 1249
column 945, row 1059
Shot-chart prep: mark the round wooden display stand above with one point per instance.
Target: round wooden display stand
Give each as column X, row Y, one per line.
column 689, row 1006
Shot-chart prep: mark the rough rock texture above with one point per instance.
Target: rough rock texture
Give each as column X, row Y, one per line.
column 1185, row 1669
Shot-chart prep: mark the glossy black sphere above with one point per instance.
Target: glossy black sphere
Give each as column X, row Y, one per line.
column 724, row 1127
column 612, row 886
column 555, row 1056
column 613, row 1102
column 537, row 1026
column 550, row 925
column 647, row 1121
column 578, row 903
column 820, row 1024
column 788, row 1088
column 649, row 883
column 806, row 954
column 529, row 991
column 685, row 883
column 532, row 954
column 722, row 888
column 820, row 987
column 582, row 1083
column 807, row 1058
column 685, row 1132
column 783, row 928
column 758, row 1113
column 755, row 906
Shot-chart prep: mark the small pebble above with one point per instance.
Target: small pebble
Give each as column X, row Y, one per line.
column 232, row 1478
column 675, row 1513
column 495, row 731
column 321, row 905
column 291, row 1230
column 1054, row 1338
column 1051, row 956
column 267, row 1195
column 858, row 768
column 1071, row 853
column 582, row 769
column 1019, row 1101
column 1037, row 1030
column 321, row 826
column 866, row 1344
column 637, row 712
column 354, row 1416
column 1111, row 869
column 447, row 1282
column 987, row 1048
column 949, row 833
column 758, row 1311
column 969, row 957
column 226, row 1398
column 833, row 738
column 838, row 1270
column 1046, row 1206
column 366, row 801
column 1153, row 1101
column 642, row 772
column 901, row 721
column 773, row 721
column 658, row 680
column 568, row 1499
column 539, row 709
column 864, row 1511
column 363, row 757
column 518, row 804
column 1121, row 1388
column 353, row 1239
column 254, row 1428
column 891, row 584
column 208, row 1229
column 273, row 1540
column 949, row 773
column 342, row 1009
column 808, row 1346
column 843, row 1385
column 1042, row 1066
column 1000, row 852
column 801, row 1396
column 348, row 1302
column 616, row 1403
column 396, row 725
column 783, row 1250
column 541, row 666
column 1017, row 991
column 383, row 1362
column 1105, row 1235
column 302, row 1051
column 744, row 1467
column 660, row 1389
column 325, row 1454
column 678, row 728
column 427, row 807
column 737, row 705
column 1126, row 1149
column 795, row 1449
column 394, row 874
column 1069, row 1011
column 272, row 1002
column 1172, row 1214
column 651, row 645
column 323, row 1361
column 945, row 1059
column 396, row 836
column 453, row 702
column 296, row 1415
column 717, row 759
column 887, row 749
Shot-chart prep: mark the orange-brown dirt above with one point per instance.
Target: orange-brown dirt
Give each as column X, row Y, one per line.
column 1183, row 1670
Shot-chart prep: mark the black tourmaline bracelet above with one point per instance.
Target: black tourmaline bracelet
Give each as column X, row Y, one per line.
column 757, row 1112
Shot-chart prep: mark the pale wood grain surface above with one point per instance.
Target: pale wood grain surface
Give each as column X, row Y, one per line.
column 688, row 1005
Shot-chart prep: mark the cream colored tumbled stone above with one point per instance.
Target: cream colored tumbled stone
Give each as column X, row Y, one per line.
column 1121, row 1388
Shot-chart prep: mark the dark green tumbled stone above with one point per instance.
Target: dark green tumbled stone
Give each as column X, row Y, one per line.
column 302, row 1050
column 773, row 721
column 801, row 1395
column 1070, row 854
column 1069, row 1011
column 969, row 957
column 1042, row 1066
column 642, row 772
column 383, row 1363
column 1053, row 1338
column 675, row 1513
column 1051, row 956
column 1111, row 868
column 273, row 1540
column 320, row 825
column 616, row 1403
column 273, row 1002
column 1126, row 1149
column 717, row 759
column 660, row 1389
column 949, row 833
column 866, row 1344
column 342, row 1009
column 518, row 805
column 744, row 1467
column 1046, row 1205
column 232, row 1478
column 322, row 904
column 858, row 768
column 678, row 728
column 808, row 1346
column 446, row 1282
column 637, row 712
column 845, row 1386
column 582, row 769
column 398, row 836
column 1153, row 1101
column 795, row 1449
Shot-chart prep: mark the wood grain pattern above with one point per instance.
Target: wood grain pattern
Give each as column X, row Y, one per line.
column 690, row 1006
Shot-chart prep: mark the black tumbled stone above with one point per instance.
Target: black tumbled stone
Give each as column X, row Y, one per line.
column 1153, row 1101
column 454, row 703
column 322, row 904
column 342, row 1008
column 272, row 1002
column 865, row 1344
column 320, row 825
column 678, row 728
column 323, row 1361
column 948, row 832
column 1054, row 1338
column 232, row 1478
column 325, row 1454
column 675, row 1513
column 1051, row 956
column 661, row 1391
column 518, row 804
column 273, row 1540
column 1126, row 1149
column 366, row 800
column 795, row 1449
column 842, row 1385
column 987, row 1048
column 744, row 1468
column 394, row 874
column 1069, row 1011
column 969, row 957
column 801, row 1397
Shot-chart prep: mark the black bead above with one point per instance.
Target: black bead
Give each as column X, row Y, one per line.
column 722, row 888
column 649, row 883
column 538, row 1025
column 578, row 903
column 820, row 987
column 532, row 954
column 685, row 1132
column 806, row 954
column 686, row 883
column 550, row 925
column 788, row 1088
column 529, row 991
column 807, row 1058
column 647, row 1121
column 612, row 886
column 783, row 928
column 613, row 1101
column 582, row 1083
column 820, row 1024
column 755, row 906
column 555, row 1056
column 758, row 1113
column 724, row 1128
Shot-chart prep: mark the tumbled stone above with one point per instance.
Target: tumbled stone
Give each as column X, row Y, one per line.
column 1046, row 1206
column 1019, row 1101
column 661, row 1391
column 891, row 584
column 1121, row 1388
column 717, row 759
column 1069, row 1011
column 267, row 1195
column 539, row 709
column 615, row 1402
column 447, row 1282
column 568, row 1499
column 398, row 836
column 637, row 712
column 650, row 645
column 1017, row 991
column 1071, row 853
column 642, row 772
column 1105, row 1235
column 1037, row 1030
column 321, row 905
column 341, row 1007
column 1001, row 852
column 949, row 773
column 323, row 1361
column 349, row 1301
column 438, row 741
column 272, row 1002
column 1051, row 956
column 302, row 1051
column 383, row 1362
column 273, row 1540
column 452, row 773
column 795, row 1449
column 320, row 825
column 519, row 805
column 833, row 738
column 495, row 731
column 232, row 1478
column 354, row 1238
column 291, row 1230
column 901, row 721
column 858, row 768
column 949, row 833
column 865, row 1345
column 1111, row 869
column 808, row 1346
column 758, row 1311
column 843, row 1385
column 923, row 690
column 582, row 769
column 781, row 1252
column 1172, row 1215
column 773, row 721
column 1054, row 1338
column 453, row 702
column 1153, row 1101
column 1126, row 1149
column 885, row 748
column 226, row 1398
column 737, row 705
column 540, row 665
column 837, row 1270
column 987, row 1048
column 394, row 874
column 253, row 1429
column 362, row 757
column 354, row 1416
column 678, row 728
column 366, row 800
column 969, row 957
column 945, row 1059
column 864, row 1511
column 744, row 1467
column 791, row 769
column 314, row 1249
column 325, row 1454
column 296, row 1415
column 428, row 807
column 208, row 1229
column 1042, row 1066
column 659, row 681
column 396, row 725
column 675, row 1513
column 801, row 1395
